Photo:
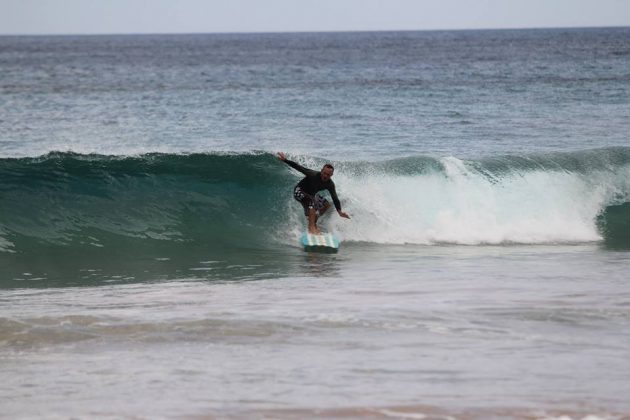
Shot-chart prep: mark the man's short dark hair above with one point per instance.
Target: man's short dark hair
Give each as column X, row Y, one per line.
column 328, row 165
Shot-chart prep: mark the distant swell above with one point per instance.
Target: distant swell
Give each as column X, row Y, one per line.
column 67, row 203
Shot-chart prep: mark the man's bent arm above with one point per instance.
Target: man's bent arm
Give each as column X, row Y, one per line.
column 333, row 194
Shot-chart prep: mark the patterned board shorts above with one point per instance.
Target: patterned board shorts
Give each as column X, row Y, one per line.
column 308, row 201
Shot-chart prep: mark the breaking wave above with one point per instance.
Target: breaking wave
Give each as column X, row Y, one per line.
column 68, row 201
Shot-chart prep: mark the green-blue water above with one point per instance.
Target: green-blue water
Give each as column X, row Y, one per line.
column 65, row 213
column 149, row 238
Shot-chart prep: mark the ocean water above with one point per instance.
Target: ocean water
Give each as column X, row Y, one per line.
column 149, row 257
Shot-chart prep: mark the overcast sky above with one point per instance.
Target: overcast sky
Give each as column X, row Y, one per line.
column 202, row 16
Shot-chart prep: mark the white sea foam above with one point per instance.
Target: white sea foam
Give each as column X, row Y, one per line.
column 463, row 206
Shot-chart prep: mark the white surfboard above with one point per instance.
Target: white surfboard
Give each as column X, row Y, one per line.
column 324, row 242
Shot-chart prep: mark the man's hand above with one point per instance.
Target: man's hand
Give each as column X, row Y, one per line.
column 281, row 156
column 343, row 214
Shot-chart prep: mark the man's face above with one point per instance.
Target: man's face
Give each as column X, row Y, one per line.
column 326, row 174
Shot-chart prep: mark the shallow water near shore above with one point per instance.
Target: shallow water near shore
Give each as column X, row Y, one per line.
column 504, row 331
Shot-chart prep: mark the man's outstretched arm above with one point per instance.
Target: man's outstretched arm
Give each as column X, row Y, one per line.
column 294, row 165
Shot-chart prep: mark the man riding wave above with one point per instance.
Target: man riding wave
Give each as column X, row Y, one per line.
column 306, row 192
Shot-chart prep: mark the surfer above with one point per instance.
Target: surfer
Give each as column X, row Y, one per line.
column 306, row 192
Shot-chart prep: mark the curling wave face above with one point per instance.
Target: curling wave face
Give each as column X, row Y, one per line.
column 110, row 203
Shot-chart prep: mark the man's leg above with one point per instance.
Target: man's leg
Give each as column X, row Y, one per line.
column 312, row 221
column 309, row 210
column 313, row 215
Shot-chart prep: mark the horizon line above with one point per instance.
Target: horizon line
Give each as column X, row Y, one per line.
column 271, row 32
